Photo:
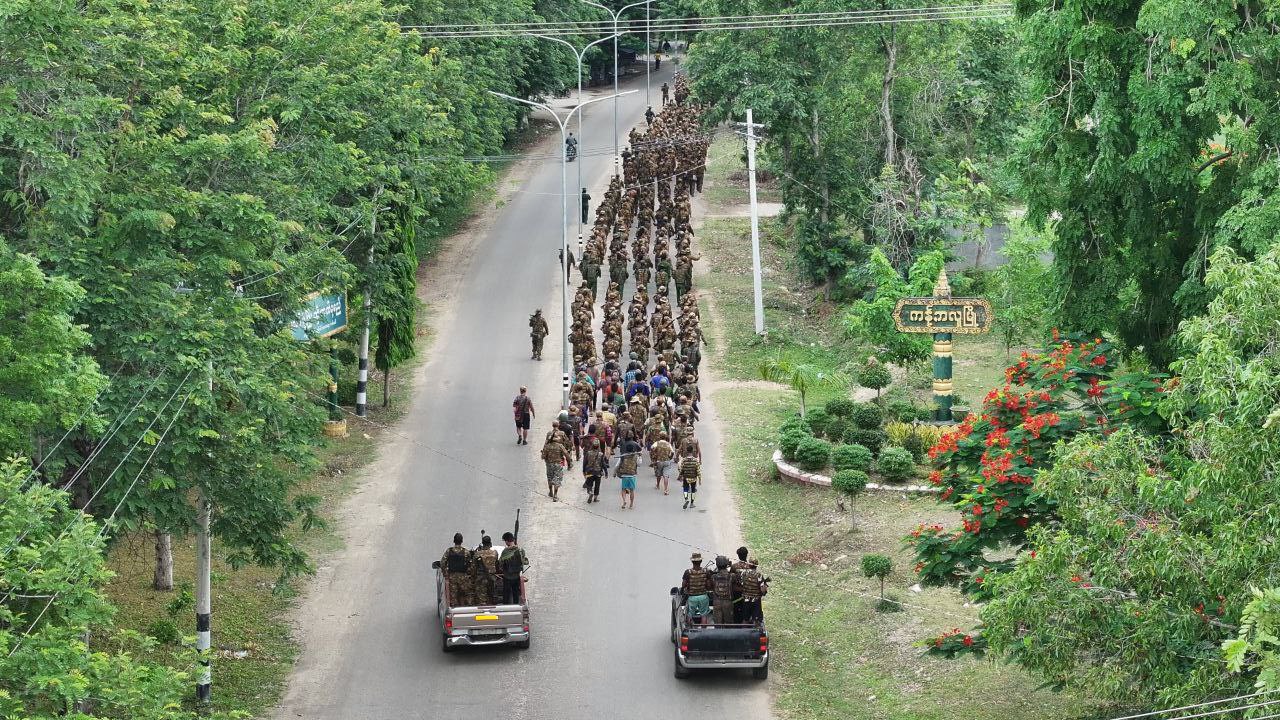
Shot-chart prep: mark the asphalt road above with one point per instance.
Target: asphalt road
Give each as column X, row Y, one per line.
column 600, row 576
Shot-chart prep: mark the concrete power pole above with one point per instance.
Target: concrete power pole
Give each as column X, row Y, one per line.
column 755, row 223
column 362, row 384
column 204, row 600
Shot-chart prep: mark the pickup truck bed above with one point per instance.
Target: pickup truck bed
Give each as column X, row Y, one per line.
column 469, row 625
column 700, row 646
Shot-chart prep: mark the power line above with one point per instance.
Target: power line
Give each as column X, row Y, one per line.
column 1193, row 707
column 107, row 523
column 76, row 424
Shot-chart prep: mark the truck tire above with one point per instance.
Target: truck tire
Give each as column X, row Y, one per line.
column 760, row 673
column 524, row 644
column 681, row 672
column 444, row 644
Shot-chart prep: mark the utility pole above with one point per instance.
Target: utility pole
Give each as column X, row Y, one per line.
column 755, row 223
column 204, row 600
column 362, row 384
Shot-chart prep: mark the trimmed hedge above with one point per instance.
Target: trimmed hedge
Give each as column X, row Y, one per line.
column 840, row 407
column 813, row 454
column 867, row 416
column 896, row 464
column 837, row 428
column 851, row 457
column 872, row 440
column 817, row 418
column 850, row 482
column 790, row 440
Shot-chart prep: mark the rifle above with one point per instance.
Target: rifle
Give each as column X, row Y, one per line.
column 516, row 533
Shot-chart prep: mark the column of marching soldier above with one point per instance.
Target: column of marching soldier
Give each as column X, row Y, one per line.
column 622, row 407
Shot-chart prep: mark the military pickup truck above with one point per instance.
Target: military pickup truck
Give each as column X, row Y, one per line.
column 467, row 625
column 705, row 645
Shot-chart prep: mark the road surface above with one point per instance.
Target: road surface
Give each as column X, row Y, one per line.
column 600, row 576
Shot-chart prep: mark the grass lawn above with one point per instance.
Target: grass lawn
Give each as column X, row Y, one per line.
column 837, row 655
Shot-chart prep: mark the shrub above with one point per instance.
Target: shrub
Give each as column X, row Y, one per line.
column 931, row 434
column 868, row 416
column 795, row 422
column 790, row 442
column 896, row 464
column 874, row 376
column 813, row 454
column 879, row 567
column 850, row 483
column 837, row 428
column 901, row 410
column 840, row 407
column 872, row 440
column 851, row 457
column 899, row 433
column 818, row 419
column 916, row 444
column 164, row 632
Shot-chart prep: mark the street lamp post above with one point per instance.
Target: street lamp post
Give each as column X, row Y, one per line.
column 617, row 159
column 581, row 141
column 564, row 225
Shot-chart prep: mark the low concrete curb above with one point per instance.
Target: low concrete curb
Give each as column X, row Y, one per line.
column 795, row 474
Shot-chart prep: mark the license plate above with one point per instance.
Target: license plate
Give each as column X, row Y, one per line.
column 488, row 631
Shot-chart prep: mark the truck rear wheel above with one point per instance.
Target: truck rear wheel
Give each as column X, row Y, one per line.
column 524, row 644
column 760, row 673
column 681, row 672
column 444, row 644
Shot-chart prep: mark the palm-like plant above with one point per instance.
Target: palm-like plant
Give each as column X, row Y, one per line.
column 802, row 377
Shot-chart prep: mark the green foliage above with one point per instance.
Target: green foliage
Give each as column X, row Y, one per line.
column 850, row 457
column 871, row 320
column 1152, row 163
column 53, row 576
column 896, row 464
column 818, row 420
column 795, row 422
column 812, row 453
column 867, row 416
column 840, row 407
column 164, row 631
column 870, row 439
column 878, row 567
column 837, row 429
column 802, row 377
column 905, row 411
column 1022, row 288
column 46, row 381
column 850, row 481
column 395, row 300
column 1254, row 649
column 789, row 442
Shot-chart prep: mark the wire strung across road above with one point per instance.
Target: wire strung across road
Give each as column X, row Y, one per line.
column 717, row 23
column 644, row 531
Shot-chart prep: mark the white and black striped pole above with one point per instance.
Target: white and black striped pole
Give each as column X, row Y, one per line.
column 204, row 596
column 362, row 383
column 204, row 681
column 564, row 389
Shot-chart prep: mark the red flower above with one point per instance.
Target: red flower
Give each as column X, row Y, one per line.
column 1099, row 360
column 968, row 640
column 977, row 509
column 1075, row 578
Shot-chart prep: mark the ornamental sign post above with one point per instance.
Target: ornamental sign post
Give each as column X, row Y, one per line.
column 943, row 316
column 325, row 315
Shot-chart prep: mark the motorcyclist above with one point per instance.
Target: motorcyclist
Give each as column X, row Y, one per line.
column 571, row 147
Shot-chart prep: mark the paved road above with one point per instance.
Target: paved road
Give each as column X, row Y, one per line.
column 600, row 577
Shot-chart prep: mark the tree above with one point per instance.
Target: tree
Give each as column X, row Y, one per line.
column 874, row 376
column 850, row 482
column 802, row 377
column 53, row 599
column 878, row 567
column 1254, row 649
column 1149, row 134
column 1023, row 287
column 396, row 300
column 870, row 320
column 46, row 381
column 1159, row 537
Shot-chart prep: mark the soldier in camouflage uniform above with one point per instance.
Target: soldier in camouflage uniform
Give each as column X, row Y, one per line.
column 485, row 577
column 455, row 564
column 538, row 331
column 556, row 457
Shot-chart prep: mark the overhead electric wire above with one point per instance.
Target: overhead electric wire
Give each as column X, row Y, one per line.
column 107, row 523
column 1168, row 711
column 35, row 470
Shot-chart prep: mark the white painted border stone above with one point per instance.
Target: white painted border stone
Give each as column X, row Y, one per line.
column 793, row 473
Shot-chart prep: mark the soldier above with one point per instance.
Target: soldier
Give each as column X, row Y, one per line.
column 666, row 93
column 754, row 587
column 522, row 406
column 689, row 445
column 724, row 584
column 485, row 585
column 594, row 465
column 538, row 330
column 648, row 116
column 694, row 586
column 556, row 458
column 661, row 457
column 690, row 474
column 456, row 566
column 511, row 563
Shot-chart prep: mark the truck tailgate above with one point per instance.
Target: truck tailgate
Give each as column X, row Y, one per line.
column 723, row 641
column 480, row 621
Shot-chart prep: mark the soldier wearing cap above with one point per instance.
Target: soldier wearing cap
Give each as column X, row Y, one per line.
column 694, row 588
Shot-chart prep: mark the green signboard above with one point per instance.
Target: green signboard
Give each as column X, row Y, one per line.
column 324, row 314
column 962, row 316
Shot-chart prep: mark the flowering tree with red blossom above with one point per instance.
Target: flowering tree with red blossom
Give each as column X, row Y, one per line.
column 987, row 465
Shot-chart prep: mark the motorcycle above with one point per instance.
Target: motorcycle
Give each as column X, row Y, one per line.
column 571, row 151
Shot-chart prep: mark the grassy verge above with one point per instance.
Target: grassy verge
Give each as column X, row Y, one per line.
column 837, row 655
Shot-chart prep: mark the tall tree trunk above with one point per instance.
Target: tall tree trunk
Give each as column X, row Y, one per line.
column 890, row 45
column 824, row 211
column 163, row 579
column 386, row 387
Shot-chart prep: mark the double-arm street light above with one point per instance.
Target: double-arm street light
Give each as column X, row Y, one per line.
column 616, row 15
column 566, row 368
column 581, row 140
